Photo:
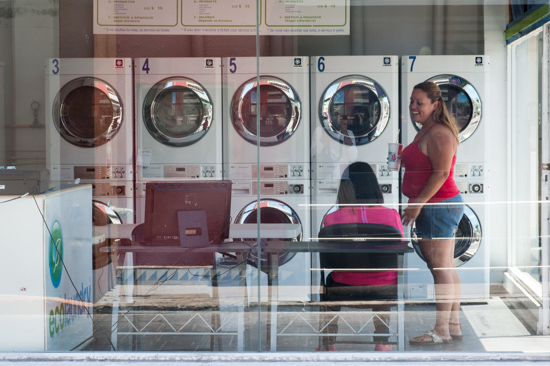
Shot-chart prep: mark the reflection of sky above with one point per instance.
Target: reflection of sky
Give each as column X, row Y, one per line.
column 462, row 98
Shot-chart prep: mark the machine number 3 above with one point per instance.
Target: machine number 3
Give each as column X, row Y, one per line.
column 55, row 69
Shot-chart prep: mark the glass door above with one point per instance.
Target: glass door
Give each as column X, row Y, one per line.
column 529, row 169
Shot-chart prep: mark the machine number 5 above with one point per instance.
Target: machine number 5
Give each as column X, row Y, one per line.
column 232, row 65
column 413, row 58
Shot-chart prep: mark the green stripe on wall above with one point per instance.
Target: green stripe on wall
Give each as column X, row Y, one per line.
column 527, row 21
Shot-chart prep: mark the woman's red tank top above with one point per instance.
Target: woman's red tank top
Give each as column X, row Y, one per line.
column 418, row 169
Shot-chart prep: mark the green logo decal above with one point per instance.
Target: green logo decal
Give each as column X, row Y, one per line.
column 56, row 254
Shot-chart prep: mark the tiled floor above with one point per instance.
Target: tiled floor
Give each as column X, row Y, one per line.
column 491, row 325
column 487, row 327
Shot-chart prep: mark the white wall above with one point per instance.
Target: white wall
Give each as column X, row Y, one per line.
column 35, row 38
column 496, row 19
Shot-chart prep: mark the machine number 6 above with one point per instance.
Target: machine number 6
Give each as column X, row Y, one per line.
column 321, row 64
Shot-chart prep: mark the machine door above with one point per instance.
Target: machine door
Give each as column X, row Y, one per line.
column 279, row 108
column 354, row 110
column 462, row 101
column 177, row 112
column 88, row 112
column 467, row 238
column 272, row 211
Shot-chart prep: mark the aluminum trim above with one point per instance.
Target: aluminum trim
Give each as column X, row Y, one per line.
column 153, row 125
column 332, row 127
column 474, row 225
column 277, row 205
column 60, row 105
column 237, row 103
column 471, row 93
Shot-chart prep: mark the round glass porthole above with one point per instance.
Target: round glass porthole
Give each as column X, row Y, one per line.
column 87, row 112
column 278, row 106
column 467, row 238
column 462, row 101
column 354, row 107
column 177, row 112
column 272, row 212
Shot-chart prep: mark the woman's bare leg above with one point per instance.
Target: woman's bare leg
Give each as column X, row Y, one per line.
column 454, row 321
column 438, row 254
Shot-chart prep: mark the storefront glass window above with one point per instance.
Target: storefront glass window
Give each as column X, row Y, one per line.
column 175, row 172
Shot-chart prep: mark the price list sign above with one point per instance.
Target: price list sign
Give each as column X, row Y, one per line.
column 124, row 16
column 221, row 17
column 306, row 17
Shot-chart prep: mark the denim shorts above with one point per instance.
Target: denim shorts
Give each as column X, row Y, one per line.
column 439, row 220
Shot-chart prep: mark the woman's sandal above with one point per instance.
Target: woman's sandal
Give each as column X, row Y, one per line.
column 457, row 336
column 435, row 339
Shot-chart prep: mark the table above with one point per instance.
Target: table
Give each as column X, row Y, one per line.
column 274, row 248
column 240, row 249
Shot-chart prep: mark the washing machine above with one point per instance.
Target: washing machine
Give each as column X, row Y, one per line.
column 179, row 118
column 354, row 112
column 281, row 202
column 178, row 121
column 283, row 137
column 463, row 81
column 354, row 115
column 472, row 246
column 89, row 127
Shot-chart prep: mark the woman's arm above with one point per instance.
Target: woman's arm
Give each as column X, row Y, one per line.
column 440, row 146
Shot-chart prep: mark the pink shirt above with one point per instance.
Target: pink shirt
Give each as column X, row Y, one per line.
column 418, row 169
column 365, row 214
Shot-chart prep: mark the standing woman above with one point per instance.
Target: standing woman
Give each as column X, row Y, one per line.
column 435, row 204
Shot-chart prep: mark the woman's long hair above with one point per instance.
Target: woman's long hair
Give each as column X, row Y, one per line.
column 359, row 186
column 441, row 114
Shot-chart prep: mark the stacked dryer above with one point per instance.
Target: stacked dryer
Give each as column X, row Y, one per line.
column 179, row 115
column 463, row 81
column 280, row 143
column 355, row 114
column 89, row 124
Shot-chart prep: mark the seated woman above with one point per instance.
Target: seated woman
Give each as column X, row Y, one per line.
column 360, row 200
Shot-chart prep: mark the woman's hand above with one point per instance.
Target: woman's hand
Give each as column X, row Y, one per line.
column 410, row 214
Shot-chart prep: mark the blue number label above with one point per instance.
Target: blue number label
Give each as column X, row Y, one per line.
column 145, row 66
column 232, row 65
column 412, row 63
column 55, row 63
column 321, row 64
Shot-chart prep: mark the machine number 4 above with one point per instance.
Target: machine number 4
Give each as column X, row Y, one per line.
column 145, row 66
column 413, row 58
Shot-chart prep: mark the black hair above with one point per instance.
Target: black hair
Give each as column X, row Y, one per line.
column 359, row 185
